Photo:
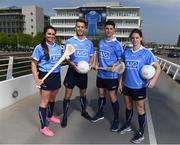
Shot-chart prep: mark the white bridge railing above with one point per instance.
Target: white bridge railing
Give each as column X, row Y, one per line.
column 170, row 68
column 14, row 66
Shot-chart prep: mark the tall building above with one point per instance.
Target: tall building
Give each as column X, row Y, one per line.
column 46, row 20
column 34, row 19
column 126, row 19
column 11, row 20
column 28, row 19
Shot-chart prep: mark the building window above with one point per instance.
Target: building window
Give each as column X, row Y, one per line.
column 31, row 13
column 31, row 26
column 31, row 20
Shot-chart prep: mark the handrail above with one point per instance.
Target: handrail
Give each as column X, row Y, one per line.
column 169, row 66
column 20, row 66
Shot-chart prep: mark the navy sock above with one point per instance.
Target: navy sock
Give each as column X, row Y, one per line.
column 83, row 103
column 66, row 104
column 142, row 122
column 115, row 107
column 42, row 116
column 50, row 108
column 129, row 115
column 101, row 104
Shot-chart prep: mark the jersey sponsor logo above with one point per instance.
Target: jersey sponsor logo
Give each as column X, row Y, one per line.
column 104, row 54
column 140, row 97
column 114, row 87
column 81, row 53
column 44, row 86
column 132, row 64
column 54, row 58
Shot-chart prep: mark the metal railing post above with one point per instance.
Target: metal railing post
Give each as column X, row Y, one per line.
column 10, row 68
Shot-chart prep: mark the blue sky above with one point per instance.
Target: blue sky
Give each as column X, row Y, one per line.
column 161, row 18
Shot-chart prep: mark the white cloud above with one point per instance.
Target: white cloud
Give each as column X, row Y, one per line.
column 161, row 3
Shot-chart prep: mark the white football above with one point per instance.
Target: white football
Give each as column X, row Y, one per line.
column 147, row 72
column 83, row 67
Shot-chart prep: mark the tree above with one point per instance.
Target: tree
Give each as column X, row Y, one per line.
column 12, row 41
column 58, row 40
column 24, row 39
column 37, row 39
column 3, row 40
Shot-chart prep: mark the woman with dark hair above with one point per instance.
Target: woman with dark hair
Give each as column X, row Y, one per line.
column 44, row 57
column 133, row 86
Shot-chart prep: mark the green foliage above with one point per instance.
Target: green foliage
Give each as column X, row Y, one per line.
column 24, row 39
column 12, row 40
column 37, row 39
column 58, row 41
column 3, row 39
column 96, row 41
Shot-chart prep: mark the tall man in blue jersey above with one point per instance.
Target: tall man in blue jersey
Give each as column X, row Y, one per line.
column 110, row 51
column 84, row 52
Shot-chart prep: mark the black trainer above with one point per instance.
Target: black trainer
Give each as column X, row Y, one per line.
column 115, row 125
column 97, row 117
column 64, row 122
column 86, row 115
column 138, row 138
column 125, row 128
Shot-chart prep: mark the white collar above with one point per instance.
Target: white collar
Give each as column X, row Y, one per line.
column 113, row 39
column 140, row 48
column 75, row 37
column 50, row 45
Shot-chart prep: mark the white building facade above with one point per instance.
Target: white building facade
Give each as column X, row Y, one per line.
column 125, row 18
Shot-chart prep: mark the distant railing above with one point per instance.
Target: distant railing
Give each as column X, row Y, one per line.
column 170, row 68
column 14, row 66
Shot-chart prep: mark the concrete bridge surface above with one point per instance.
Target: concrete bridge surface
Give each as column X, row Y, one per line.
column 19, row 123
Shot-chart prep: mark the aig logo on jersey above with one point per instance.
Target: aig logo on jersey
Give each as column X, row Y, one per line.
column 81, row 53
column 132, row 64
column 54, row 58
column 104, row 54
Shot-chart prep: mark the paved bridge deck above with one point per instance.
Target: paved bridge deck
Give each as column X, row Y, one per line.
column 19, row 123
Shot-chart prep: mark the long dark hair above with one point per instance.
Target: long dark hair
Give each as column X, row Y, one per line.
column 138, row 31
column 43, row 43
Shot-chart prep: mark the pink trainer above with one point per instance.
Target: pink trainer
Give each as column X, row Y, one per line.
column 46, row 131
column 54, row 119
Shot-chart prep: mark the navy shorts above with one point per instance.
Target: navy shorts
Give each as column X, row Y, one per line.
column 136, row 94
column 52, row 82
column 109, row 84
column 74, row 78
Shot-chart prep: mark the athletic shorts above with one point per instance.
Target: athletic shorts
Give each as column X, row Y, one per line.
column 74, row 78
column 52, row 82
column 136, row 94
column 109, row 84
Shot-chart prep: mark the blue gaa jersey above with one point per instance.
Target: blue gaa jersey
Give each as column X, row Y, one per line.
column 92, row 18
column 83, row 49
column 134, row 61
column 109, row 53
column 54, row 54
